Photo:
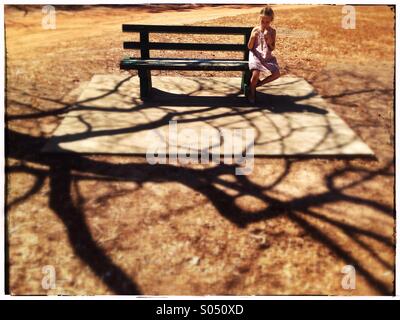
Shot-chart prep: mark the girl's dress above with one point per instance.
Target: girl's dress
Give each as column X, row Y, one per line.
column 261, row 58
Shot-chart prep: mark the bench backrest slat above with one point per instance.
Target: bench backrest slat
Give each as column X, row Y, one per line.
column 185, row 29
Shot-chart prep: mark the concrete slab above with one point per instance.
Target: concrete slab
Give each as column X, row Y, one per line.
column 288, row 119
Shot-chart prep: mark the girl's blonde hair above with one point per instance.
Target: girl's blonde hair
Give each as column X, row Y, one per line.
column 267, row 11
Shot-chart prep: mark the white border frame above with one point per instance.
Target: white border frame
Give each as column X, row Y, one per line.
column 107, row 297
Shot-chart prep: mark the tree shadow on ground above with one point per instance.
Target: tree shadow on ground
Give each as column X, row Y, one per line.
column 65, row 169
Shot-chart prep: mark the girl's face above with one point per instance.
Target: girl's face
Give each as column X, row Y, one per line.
column 265, row 21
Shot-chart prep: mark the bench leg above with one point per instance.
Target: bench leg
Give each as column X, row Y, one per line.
column 145, row 84
column 245, row 82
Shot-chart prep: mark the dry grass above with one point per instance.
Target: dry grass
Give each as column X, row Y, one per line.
column 117, row 225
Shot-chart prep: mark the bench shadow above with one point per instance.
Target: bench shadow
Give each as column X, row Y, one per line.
column 285, row 104
column 271, row 102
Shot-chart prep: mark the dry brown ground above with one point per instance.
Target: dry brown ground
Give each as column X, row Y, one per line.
column 112, row 224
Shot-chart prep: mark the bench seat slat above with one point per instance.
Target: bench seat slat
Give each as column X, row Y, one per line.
column 184, row 64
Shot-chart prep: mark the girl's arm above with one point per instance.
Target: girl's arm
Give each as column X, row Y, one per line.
column 270, row 39
column 252, row 39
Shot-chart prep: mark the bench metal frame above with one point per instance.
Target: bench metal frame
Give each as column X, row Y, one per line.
column 145, row 64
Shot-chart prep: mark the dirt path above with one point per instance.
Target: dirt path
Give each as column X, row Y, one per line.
column 208, row 13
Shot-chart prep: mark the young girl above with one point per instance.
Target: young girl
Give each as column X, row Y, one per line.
column 261, row 44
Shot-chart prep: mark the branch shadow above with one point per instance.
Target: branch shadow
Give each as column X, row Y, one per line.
column 203, row 181
column 79, row 234
column 64, row 169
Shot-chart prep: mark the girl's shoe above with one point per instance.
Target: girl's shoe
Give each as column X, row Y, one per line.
column 260, row 82
column 252, row 100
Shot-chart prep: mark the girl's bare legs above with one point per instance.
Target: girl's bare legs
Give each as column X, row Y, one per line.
column 253, row 83
column 275, row 75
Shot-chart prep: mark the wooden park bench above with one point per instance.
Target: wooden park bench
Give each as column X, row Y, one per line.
column 145, row 64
